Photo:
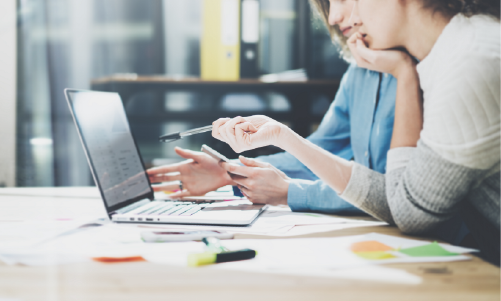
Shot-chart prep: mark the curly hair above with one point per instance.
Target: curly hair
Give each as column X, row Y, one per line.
column 321, row 7
column 450, row 8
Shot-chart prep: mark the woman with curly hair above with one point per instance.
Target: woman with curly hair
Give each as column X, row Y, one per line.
column 444, row 156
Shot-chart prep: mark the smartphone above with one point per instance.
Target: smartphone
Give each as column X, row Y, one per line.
column 169, row 236
column 214, row 154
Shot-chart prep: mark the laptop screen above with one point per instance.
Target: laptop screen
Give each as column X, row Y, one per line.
column 110, row 147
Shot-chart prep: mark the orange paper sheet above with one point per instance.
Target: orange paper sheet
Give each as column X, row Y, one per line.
column 369, row 246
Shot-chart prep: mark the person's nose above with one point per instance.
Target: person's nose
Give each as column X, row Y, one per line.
column 334, row 16
column 355, row 17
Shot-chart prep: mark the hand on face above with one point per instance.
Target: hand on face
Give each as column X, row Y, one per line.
column 261, row 183
column 200, row 173
column 245, row 133
column 387, row 61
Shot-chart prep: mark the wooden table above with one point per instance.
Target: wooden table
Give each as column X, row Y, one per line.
column 468, row 280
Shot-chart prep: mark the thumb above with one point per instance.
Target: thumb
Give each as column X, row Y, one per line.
column 252, row 162
column 186, row 153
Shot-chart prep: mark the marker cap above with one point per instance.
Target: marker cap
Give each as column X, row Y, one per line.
column 198, row 259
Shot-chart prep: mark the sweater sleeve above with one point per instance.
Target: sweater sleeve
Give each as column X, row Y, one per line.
column 416, row 196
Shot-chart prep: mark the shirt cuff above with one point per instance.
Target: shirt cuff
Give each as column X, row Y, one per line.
column 398, row 158
column 297, row 196
column 358, row 187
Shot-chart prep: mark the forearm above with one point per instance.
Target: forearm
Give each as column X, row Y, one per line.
column 317, row 196
column 419, row 191
column 333, row 170
column 408, row 109
column 290, row 165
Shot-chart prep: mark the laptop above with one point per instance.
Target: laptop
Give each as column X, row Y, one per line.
column 118, row 170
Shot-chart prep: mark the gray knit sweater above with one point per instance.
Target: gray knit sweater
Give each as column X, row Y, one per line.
column 455, row 166
column 428, row 190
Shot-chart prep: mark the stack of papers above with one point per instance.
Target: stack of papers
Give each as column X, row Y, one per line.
column 328, row 253
column 352, row 257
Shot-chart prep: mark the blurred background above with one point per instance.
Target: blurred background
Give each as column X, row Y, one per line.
column 149, row 52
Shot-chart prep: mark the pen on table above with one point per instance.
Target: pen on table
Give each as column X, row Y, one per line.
column 217, row 253
column 179, row 135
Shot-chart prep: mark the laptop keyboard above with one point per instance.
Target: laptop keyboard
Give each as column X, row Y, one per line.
column 172, row 208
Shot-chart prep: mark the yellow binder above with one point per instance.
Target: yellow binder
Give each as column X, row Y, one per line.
column 220, row 45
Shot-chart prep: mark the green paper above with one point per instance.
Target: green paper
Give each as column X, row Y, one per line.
column 430, row 250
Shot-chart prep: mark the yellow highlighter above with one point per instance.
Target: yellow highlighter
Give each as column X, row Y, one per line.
column 217, row 254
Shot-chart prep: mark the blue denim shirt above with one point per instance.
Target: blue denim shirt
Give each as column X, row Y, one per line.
column 358, row 126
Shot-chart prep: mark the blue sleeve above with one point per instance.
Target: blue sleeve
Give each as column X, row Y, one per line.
column 317, row 196
column 333, row 135
column 306, row 191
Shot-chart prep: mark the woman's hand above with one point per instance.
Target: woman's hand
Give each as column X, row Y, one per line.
column 261, row 183
column 199, row 173
column 245, row 133
column 394, row 62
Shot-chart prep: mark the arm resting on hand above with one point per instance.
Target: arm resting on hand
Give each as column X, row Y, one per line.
column 419, row 195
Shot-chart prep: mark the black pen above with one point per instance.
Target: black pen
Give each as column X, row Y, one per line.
column 179, row 135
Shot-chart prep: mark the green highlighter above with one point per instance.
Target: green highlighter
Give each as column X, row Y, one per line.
column 217, row 253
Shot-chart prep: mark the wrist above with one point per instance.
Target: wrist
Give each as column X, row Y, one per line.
column 285, row 195
column 285, row 138
column 406, row 69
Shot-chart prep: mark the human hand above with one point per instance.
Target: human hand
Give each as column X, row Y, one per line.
column 245, row 133
column 261, row 183
column 394, row 62
column 200, row 173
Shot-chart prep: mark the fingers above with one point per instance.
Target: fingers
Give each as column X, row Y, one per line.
column 159, row 178
column 253, row 163
column 236, row 178
column 353, row 45
column 216, row 125
column 179, row 194
column 169, row 168
column 353, row 38
column 237, row 169
column 245, row 127
column 364, row 52
column 163, row 169
column 246, row 192
column 228, row 130
column 243, row 134
column 250, row 196
column 187, row 154
column 166, row 187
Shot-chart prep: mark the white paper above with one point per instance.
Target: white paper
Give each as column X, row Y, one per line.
column 282, row 255
column 258, row 228
column 313, row 229
column 302, row 218
column 29, row 233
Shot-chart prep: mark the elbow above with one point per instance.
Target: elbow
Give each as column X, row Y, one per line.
column 413, row 227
